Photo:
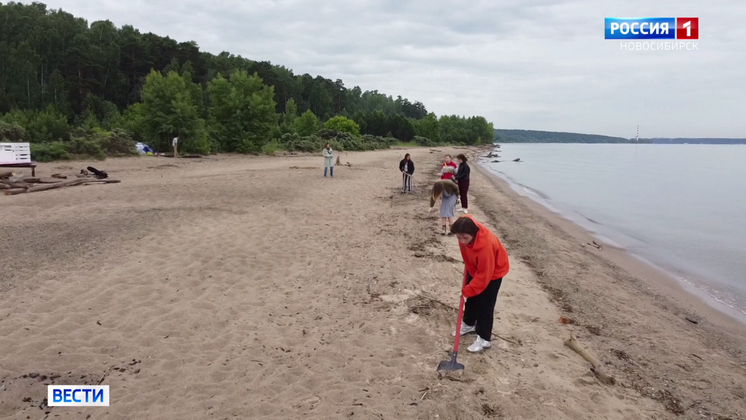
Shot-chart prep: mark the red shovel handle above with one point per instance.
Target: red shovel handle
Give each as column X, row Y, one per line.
column 460, row 317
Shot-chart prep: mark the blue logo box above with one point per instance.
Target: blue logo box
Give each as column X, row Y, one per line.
column 640, row 28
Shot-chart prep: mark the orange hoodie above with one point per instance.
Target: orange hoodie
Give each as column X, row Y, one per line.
column 485, row 260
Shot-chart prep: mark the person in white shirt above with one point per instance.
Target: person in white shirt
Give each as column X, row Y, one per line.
column 175, row 144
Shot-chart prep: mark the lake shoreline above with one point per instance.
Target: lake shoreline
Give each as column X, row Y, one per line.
column 642, row 265
column 660, row 339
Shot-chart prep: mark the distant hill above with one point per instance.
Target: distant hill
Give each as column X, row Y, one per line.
column 531, row 136
column 696, row 141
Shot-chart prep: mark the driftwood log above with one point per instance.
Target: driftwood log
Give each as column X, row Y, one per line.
column 339, row 163
column 596, row 366
column 101, row 181
column 50, row 186
column 14, row 184
column 14, row 191
column 18, row 187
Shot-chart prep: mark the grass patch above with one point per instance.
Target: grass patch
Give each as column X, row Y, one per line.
column 406, row 144
column 272, row 147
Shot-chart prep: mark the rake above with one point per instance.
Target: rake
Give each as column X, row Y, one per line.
column 447, row 366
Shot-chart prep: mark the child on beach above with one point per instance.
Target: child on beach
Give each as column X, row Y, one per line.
column 486, row 264
column 448, row 169
column 328, row 156
column 448, row 190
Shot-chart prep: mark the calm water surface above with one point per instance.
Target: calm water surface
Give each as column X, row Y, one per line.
column 679, row 207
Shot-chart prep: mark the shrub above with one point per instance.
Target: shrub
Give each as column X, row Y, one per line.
column 48, row 152
column 344, row 124
column 86, row 147
column 115, row 143
column 424, row 141
column 12, row 132
column 97, row 144
column 272, row 147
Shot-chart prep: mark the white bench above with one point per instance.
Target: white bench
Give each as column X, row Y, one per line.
column 16, row 155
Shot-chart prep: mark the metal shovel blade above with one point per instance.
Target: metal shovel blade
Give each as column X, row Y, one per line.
column 452, row 365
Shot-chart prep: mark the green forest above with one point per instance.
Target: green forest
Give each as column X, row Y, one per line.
column 531, row 136
column 77, row 90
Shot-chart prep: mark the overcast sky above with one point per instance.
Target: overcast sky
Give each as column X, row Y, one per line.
column 530, row 64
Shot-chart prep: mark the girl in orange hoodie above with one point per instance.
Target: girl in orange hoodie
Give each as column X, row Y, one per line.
column 486, row 264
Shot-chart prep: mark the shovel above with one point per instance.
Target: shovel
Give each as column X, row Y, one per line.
column 447, row 366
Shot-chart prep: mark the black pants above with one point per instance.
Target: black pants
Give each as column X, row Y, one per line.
column 406, row 182
column 463, row 188
column 480, row 309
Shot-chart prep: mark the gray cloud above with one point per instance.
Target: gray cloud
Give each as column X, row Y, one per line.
column 534, row 64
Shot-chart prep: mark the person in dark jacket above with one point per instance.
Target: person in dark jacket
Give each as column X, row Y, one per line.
column 462, row 179
column 406, row 166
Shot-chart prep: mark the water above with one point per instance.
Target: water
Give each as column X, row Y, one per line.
column 680, row 207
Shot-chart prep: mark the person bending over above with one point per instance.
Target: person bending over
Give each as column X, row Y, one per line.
column 486, row 263
column 448, row 190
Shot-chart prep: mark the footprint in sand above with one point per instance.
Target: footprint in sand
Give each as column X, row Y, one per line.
column 308, row 403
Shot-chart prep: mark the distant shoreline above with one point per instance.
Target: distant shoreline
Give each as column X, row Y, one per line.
column 536, row 136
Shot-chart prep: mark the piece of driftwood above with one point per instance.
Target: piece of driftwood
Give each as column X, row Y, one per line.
column 98, row 174
column 596, row 366
column 101, row 181
column 31, row 180
column 14, row 191
column 508, row 340
column 44, row 187
column 59, row 176
column 14, row 184
column 13, row 188
column 49, row 181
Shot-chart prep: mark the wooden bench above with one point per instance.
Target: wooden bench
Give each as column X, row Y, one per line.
column 16, row 155
column 31, row 165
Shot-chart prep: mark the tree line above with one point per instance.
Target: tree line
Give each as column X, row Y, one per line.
column 533, row 136
column 71, row 88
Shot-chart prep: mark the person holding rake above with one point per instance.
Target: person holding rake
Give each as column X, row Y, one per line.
column 486, row 263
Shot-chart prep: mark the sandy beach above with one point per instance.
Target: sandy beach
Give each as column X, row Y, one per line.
column 236, row 287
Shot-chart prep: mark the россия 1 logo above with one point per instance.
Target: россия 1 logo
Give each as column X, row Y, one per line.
column 654, row 28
